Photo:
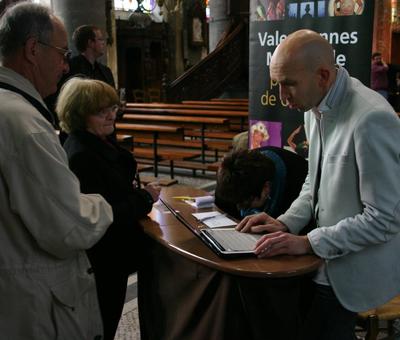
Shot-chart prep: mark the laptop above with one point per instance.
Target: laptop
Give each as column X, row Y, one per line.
column 225, row 242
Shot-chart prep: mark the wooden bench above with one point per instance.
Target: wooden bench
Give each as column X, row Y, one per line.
column 186, row 164
column 240, row 100
column 239, row 118
column 164, row 182
column 212, row 134
column 182, row 120
column 165, row 155
column 144, row 167
column 155, row 130
column 195, row 106
column 214, row 166
column 215, row 146
column 192, row 165
column 184, row 143
column 196, row 120
column 125, row 141
column 217, row 103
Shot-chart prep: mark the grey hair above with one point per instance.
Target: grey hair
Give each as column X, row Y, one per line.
column 21, row 22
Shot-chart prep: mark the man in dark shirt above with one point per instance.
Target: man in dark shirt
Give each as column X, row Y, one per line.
column 379, row 75
column 89, row 41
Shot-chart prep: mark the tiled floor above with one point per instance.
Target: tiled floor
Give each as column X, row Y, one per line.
column 128, row 328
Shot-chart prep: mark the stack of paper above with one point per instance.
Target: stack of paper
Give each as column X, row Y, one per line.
column 214, row 219
column 201, row 202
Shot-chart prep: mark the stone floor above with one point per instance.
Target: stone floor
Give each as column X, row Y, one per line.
column 128, row 328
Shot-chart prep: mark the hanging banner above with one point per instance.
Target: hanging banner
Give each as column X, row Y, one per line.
column 346, row 24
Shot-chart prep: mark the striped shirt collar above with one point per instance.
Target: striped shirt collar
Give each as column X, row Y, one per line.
column 334, row 94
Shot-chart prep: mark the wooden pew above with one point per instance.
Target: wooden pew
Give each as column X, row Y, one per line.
column 242, row 100
column 165, row 155
column 228, row 135
column 194, row 166
column 208, row 106
column 187, row 112
column 217, row 103
column 213, row 145
column 187, row 121
column 230, row 114
column 195, row 120
column 155, row 130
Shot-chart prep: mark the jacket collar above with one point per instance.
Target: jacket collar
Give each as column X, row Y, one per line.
column 109, row 151
column 335, row 95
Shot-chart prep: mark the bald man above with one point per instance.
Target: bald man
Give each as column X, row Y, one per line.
column 352, row 189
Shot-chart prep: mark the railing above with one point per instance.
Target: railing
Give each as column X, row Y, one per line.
column 210, row 76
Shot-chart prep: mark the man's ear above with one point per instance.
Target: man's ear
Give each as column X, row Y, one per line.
column 324, row 76
column 266, row 189
column 30, row 50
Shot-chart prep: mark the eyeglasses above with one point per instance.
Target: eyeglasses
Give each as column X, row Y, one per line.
column 106, row 111
column 65, row 52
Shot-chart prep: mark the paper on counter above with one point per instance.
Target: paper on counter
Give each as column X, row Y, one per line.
column 214, row 219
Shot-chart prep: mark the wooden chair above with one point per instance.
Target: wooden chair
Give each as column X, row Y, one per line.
column 388, row 312
column 153, row 95
column 139, row 96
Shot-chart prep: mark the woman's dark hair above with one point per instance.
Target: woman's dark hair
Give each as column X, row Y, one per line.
column 242, row 176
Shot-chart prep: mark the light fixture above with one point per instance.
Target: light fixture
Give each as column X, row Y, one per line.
column 140, row 18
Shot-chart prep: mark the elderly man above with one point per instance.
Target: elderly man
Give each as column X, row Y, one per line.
column 47, row 287
column 352, row 188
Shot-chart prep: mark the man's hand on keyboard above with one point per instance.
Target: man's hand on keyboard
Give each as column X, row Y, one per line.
column 282, row 243
column 260, row 223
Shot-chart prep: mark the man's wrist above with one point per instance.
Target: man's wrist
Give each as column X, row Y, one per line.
column 308, row 248
column 285, row 227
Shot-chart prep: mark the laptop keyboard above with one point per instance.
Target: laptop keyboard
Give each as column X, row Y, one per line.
column 234, row 240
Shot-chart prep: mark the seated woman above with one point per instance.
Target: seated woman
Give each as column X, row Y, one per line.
column 252, row 181
column 87, row 110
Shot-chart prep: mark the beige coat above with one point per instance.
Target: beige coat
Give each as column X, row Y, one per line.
column 47, row 290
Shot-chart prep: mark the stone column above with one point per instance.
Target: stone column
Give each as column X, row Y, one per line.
column 80, row 12
column 219, row 21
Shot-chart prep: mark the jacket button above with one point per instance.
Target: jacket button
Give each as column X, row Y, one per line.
column 90, row 271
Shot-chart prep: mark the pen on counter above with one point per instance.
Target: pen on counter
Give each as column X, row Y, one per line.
column 210, row 217
column 189, row 198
